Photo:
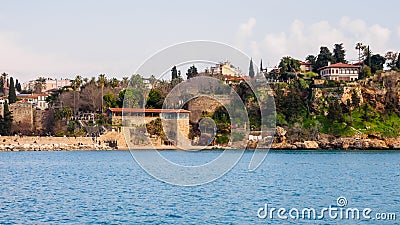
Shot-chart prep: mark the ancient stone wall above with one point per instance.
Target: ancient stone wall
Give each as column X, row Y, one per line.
column 198, row 105
column 22, row 117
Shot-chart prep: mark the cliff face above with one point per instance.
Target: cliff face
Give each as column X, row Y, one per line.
column 372, row 122
column 321, row 97
column 378, row 91
column 382, row 89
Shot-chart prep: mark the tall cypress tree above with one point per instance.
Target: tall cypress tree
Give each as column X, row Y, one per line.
column 12, row 96
column 6, row 121
column 2, row 92
column 18, row 85
column 367, row 60
column 174, row 73
column 251, row 69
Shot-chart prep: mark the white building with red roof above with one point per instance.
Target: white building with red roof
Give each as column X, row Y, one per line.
column 340, row 71
column 38, row 100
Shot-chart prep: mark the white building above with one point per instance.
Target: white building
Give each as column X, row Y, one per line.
column 38, row 100
column 48, row 84
column 340, row 71
column 226, row 68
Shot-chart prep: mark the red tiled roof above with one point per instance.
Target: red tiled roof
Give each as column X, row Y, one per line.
column 340, row 65
column 31, row 95
column 148, row 110
column 233, row 78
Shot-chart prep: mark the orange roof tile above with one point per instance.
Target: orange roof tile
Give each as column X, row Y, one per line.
column 340, row 65
column 148, row 110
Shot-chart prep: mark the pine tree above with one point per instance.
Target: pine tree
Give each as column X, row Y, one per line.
column 367, row 54
column 339, row 54
column 251, row 69
column 12, row 96
column 6, row 121
column 192, row 72
column 323, row 57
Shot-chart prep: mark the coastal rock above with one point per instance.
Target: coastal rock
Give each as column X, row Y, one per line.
column 299, row 145
column 280, row 131
column 311, row 145
column 307, row 145
column 283, row 145
column 395, row 145
column 280, row 134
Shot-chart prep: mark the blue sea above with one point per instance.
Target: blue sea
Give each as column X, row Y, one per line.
column 109, row 187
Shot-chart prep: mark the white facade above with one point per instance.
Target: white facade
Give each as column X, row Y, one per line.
column 48, row 84
column 340, row 71
column 38, row 100
column 226, row 68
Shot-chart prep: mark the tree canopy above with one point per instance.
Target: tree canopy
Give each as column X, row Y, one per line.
column 288, row 65
column 391, row 58
column 312, row 59
column 377, row 62
column 192, row 72
column 323, row 57
column 339, row 54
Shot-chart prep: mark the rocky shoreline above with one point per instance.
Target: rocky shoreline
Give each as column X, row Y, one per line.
column 281, row 142
column 328, row 142
column 29, row 143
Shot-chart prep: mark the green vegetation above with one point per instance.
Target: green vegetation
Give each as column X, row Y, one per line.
column 251, row 69
column 192, row 72
column 6, row 121
column 365, row 72
column 12, row 96
column 324, row 57
column 339, row 54
column 289, row 66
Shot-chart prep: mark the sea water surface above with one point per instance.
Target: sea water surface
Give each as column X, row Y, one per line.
column 108, row 187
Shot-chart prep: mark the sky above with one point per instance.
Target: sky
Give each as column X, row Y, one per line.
column 62, row 39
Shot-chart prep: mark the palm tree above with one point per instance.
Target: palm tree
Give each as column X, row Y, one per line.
column 359, row 47
column 76, row 84
column 40, row 84
column 125, row 82
column 102, row 82
column 114, row 82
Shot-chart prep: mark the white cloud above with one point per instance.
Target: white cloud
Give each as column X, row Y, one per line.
column 378, row 36
column 245, row 32
column 302, row 39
